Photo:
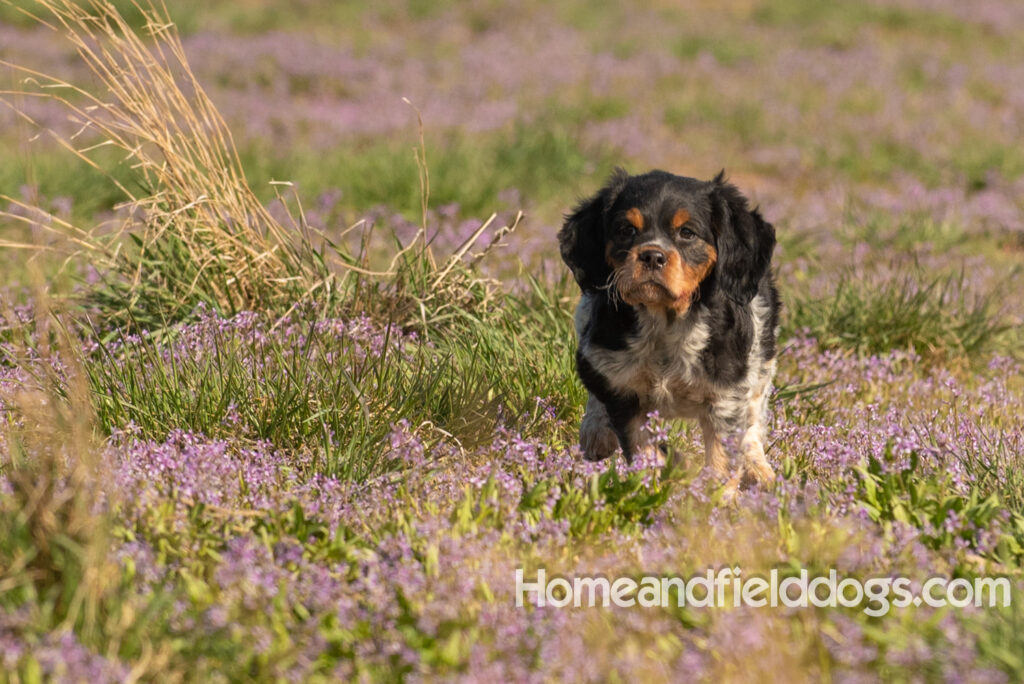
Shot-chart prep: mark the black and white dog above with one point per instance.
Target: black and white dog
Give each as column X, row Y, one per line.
column 679, row 314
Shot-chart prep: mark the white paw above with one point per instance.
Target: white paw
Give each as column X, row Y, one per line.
column 758, row 473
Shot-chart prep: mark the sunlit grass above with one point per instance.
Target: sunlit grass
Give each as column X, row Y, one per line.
column 269, row 457
column 538, row 160
column 938, row 317
column 335, row 388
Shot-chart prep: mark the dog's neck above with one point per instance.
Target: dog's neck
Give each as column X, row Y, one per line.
column 665, row 316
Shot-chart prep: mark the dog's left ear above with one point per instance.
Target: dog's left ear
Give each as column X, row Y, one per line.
column 744, row 241
column 582, row 236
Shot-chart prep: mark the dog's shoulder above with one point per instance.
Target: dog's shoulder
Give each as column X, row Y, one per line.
column 741, row 335
column 605, row 324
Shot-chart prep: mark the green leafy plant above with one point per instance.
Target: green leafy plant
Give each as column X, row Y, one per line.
column 945, row 516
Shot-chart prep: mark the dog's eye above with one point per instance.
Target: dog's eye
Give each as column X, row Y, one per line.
column 625, row 230
column 687, row 234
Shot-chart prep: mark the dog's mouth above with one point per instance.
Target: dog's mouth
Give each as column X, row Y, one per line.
column 670, row 287
column 649, row 290
column 653, row 291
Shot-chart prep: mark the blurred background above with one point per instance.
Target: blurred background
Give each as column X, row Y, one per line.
column 858, row 126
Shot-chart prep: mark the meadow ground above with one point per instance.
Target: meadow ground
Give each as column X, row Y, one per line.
column 306, row 427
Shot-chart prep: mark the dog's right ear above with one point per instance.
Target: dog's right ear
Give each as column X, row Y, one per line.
column 582, row 236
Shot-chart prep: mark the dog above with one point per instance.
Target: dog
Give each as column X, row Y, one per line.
column 678, row 314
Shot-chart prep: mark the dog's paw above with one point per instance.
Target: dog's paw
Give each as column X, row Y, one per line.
column 755, row 471
column 751, row 475
column 757, row 474
column 597, row 440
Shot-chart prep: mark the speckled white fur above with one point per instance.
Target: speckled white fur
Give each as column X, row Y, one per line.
column 661, row 364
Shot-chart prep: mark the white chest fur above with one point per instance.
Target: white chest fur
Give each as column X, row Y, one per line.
column 661, row 362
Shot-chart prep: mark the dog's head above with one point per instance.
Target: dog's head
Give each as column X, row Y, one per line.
column 658, row 240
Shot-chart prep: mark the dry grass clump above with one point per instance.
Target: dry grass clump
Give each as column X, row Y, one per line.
column 197, row 232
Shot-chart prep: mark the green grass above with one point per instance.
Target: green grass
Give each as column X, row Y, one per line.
column 54, row 174
column 707, row 111
column 925, row 501
column 540, row 160
column 995, row 465
column 978, row 162
column 194, row 15
column 972, row 163
column 186, row 16
column 331, row 395
column 842, row 25
column 908, row 233
column 934, row 316
column 871, row 160
column 728, row 50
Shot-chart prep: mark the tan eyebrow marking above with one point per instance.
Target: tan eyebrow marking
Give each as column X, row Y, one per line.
column 680, row 217
column 636, row 218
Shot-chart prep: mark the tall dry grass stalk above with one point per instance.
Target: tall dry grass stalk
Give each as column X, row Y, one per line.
column 197, row 204
column 197, row 233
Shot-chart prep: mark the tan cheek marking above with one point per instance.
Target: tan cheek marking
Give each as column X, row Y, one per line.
column 680, row 217
column 636, row 218
column 675, row 273
column 690, row 279
column 712, row 258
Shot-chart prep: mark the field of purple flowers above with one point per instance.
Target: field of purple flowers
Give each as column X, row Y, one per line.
column 310, row 431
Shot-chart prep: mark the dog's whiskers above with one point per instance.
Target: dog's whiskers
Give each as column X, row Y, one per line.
column 612, row 287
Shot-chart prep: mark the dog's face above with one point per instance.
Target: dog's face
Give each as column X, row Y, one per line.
column 658, row 240
column 658, row 244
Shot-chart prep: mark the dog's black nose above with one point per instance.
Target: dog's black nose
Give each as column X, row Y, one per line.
column 653, row 258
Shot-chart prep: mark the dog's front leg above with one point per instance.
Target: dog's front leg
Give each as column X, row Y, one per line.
column 597, row 438
column 716, row 459
column 755, row 467
column 627, row 421
column 634, row 443
column 742, row 414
